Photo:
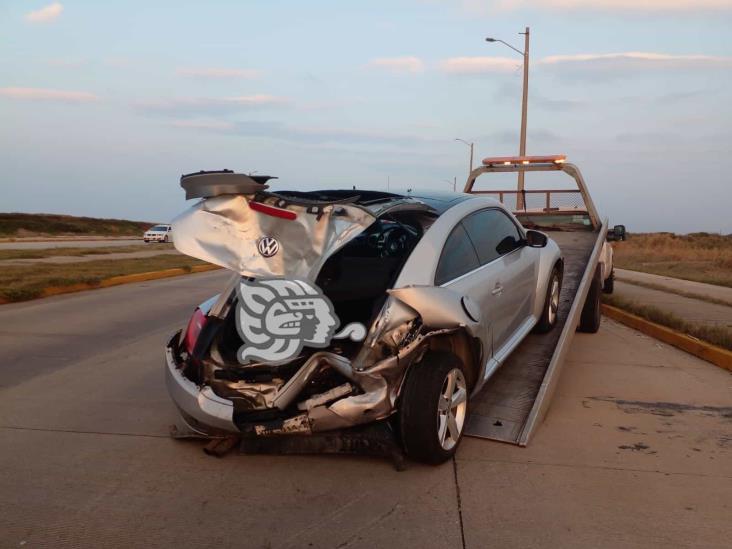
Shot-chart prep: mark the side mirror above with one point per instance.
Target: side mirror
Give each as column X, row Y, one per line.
column 617, row 233
column 535, row 239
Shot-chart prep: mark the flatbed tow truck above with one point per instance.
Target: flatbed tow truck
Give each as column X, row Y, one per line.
column 514, row 401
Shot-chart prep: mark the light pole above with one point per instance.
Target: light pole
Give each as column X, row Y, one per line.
column 471, row 152
column 453, row 183
column 524, row 108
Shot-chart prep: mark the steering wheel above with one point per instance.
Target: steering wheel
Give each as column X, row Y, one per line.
column 393, row 241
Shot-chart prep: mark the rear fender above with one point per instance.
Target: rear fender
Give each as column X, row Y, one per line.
column 440, row 307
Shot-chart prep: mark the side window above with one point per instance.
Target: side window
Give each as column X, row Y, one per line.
column 493, row 234
column 458, row 257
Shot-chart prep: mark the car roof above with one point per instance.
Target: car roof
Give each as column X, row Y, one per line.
column 438, row 201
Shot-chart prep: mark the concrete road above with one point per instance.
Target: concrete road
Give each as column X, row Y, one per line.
column 59, row 243
column 693, row 310
column 676, row 284
column 152, row 252
column 636, row 450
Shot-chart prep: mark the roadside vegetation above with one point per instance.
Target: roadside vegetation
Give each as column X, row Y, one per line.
column 701, row 257
column 22, row 282
column 716, row 335
column 17, row 225
column 78, row 252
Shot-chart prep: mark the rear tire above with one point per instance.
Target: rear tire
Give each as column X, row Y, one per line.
column 434, row 408
column 591, row 313
column 549, row 313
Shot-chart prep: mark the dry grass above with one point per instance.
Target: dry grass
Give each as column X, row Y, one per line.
column 716, row 335
column 22, row 282
column 701, row 257
column 58, row 252
column 24, row 224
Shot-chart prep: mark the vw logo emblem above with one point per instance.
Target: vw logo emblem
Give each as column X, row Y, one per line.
column 268, row 246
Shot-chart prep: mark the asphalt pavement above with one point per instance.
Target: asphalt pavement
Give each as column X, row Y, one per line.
column 636, row 450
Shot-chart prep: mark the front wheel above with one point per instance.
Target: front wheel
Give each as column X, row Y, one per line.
column 549, row 314
column 166, row 239
column 434, row 408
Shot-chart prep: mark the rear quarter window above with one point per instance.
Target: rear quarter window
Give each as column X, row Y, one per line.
column 458, row 257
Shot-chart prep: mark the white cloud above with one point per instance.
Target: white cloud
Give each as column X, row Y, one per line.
column 45, row 94
column 588, row 62
column 46, row 13
column 212, row 72
column 203, row 106
column 623, row 5
column 407, row 64
column 479, row 65
column 633, row 61
column 202, row 124
column 256, row 100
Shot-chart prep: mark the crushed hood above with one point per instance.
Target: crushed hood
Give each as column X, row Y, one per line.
column 226, row 230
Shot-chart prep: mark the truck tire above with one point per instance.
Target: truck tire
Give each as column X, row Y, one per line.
column 609, row 286
column 549, row 313
column 431, row 421
column 591, row 314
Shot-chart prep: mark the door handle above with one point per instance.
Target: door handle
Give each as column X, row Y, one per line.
column 498, row 290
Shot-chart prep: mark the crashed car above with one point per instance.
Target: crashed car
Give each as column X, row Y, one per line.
column 347, row 307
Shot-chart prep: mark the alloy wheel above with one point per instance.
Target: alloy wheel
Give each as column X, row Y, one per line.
column 554, row 301
column 451, row 409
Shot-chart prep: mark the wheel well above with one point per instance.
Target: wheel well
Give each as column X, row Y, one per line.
column 560, row 264
column 464, row 347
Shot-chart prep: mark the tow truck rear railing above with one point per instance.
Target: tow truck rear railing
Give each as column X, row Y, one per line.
column 551, row 202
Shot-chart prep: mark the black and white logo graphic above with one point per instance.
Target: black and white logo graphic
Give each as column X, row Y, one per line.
column 276, row 318
column 268, row 246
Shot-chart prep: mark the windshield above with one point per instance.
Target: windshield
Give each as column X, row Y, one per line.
column 159, row 228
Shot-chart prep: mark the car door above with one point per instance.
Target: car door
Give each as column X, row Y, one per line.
column 510, row 270
column 459, row 269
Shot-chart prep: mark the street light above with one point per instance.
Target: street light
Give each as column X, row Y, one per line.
column 453, row 183
column 524, row 106
column 471, row 152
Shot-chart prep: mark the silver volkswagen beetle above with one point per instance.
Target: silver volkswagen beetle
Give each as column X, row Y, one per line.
column 347, row 307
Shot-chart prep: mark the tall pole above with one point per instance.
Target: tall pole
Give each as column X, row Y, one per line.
column 471, row 158
column 524, row 106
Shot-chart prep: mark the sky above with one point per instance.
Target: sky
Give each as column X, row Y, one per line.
column 103, row 105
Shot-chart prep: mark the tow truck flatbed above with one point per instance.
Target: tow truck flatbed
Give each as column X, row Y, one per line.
column 513, row 402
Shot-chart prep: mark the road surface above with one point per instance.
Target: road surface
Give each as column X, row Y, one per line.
column 698, row 311
column 152, row 252
column 676, row 284
column 635, row 450
column 43, row 244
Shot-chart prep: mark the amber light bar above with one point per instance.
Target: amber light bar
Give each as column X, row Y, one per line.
column 518, row 160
